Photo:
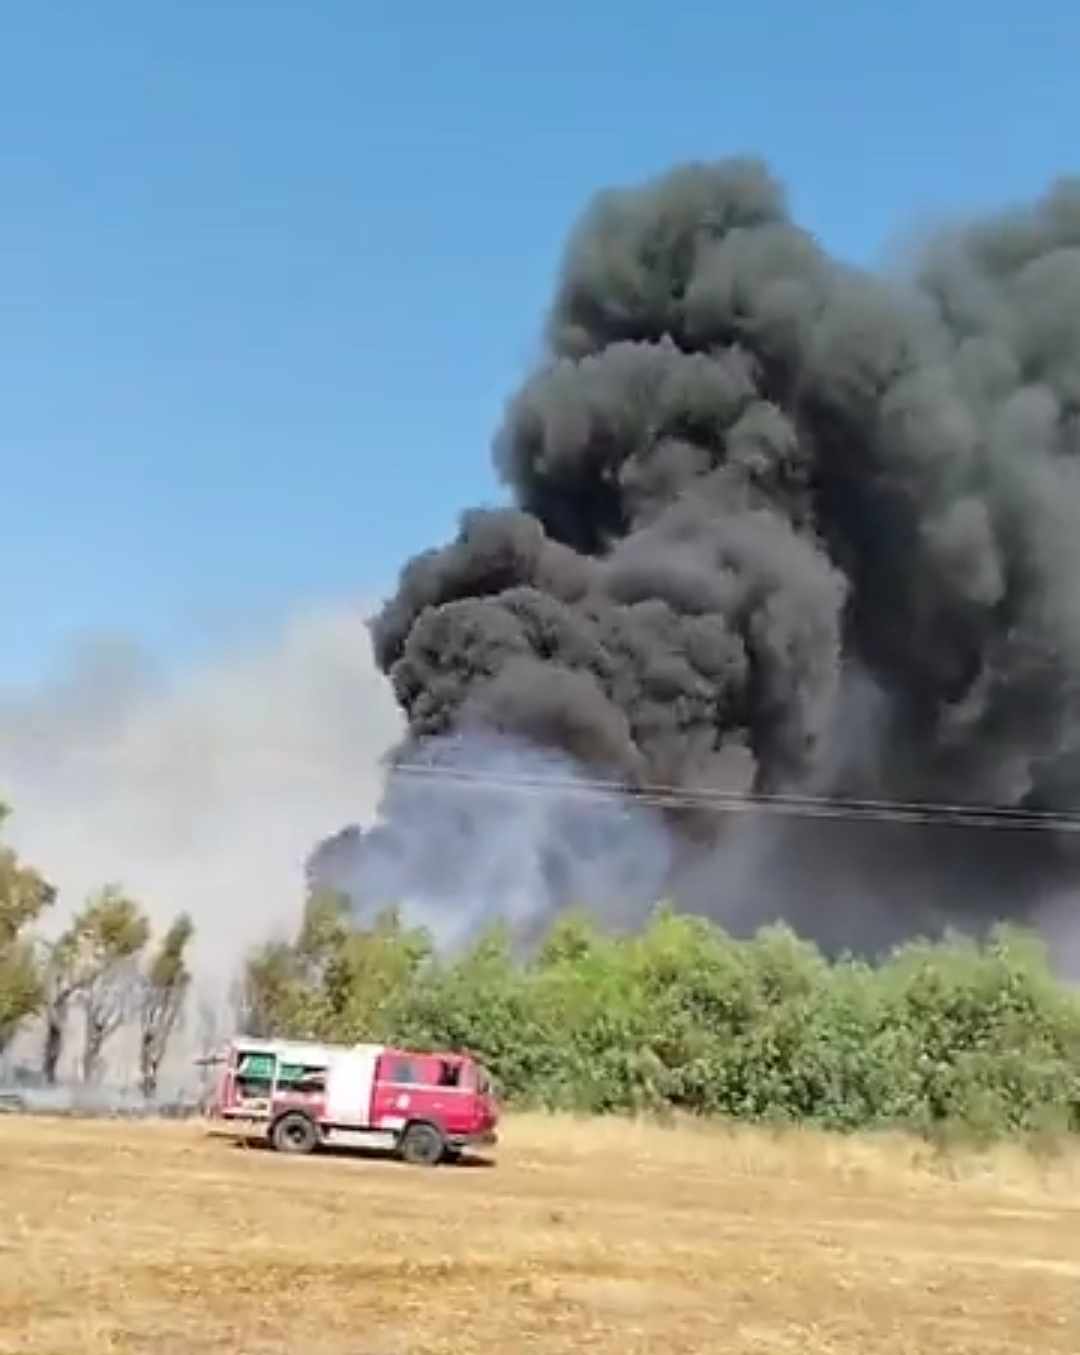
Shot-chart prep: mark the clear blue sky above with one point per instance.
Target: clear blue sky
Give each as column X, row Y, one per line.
column 269, row 270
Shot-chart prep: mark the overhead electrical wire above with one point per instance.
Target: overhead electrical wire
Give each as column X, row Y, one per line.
column 735, row 802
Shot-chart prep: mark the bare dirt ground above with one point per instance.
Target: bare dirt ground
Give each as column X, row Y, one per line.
column 600, row 1237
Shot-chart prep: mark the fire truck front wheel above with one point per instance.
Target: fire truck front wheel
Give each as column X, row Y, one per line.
column 294, row 1133
column 422, row 1145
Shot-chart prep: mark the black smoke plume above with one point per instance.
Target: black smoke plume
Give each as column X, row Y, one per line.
column 751, row 484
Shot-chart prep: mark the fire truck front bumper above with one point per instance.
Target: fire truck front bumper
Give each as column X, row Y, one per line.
column 487, row 1139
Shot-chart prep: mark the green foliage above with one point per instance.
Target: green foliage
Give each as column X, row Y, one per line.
column 21, row 987
column 93, row 964
column 168, row 968
column 681, row 1016
column 334, row 982
column 24, row 896
column 164, row 991
column 273, row 992
column 111, row 927
column 106, row 938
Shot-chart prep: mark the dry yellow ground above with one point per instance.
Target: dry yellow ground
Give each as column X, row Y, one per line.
column 587, row 1237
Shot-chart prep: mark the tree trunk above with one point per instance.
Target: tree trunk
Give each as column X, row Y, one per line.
column 55, row 1020
column 92, row 1046
column 149, row 1064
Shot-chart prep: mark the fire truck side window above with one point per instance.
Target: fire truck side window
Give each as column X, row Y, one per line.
column 254, row 1074
column 301, row 1077
column 401, row 1070
column 449, row 1074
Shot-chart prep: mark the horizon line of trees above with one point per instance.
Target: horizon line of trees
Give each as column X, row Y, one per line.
column 677, row 1017
column 101, row 966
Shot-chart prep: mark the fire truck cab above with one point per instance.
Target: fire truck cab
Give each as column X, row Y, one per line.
column 426, row 1108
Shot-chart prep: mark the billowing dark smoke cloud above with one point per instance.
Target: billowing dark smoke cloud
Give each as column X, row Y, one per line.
column 749, row 479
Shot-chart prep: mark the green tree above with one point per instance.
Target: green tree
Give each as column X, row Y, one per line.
column 161, row 1004
column 272, row 994
column 24, row 896
column 22, row 991
column 94, row 965
column 335, row 981
column 280, row 991
column 324, row 929
column 370, row 979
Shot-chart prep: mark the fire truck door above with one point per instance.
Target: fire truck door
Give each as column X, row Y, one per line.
column 349, row 1087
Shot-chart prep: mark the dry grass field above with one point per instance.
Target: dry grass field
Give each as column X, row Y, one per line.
column 599, row 1237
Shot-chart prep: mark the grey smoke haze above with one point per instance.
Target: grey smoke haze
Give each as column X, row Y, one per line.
column 503, row 855
column 200, row 790
column 749, row 479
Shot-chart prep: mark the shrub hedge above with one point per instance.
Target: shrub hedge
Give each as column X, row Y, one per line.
column 683, row 1016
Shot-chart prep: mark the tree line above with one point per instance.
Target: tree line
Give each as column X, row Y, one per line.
column 680, row 1016
column 101, row 968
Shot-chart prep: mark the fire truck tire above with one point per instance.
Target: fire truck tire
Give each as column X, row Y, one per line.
column 294, row 1133
column 422, row 1145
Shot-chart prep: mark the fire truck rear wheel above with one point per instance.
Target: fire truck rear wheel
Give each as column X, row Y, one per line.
column 422, row 1145
column 294, row 1133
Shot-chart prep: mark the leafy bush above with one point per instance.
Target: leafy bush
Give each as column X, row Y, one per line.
column 939, row 1036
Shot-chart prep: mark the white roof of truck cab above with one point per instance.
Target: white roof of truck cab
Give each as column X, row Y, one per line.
column 301, row 1051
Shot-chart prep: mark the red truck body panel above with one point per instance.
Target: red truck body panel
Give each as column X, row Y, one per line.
column 449, row 1090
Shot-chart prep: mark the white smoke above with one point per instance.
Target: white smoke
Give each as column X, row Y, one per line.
column 499, row 830
column 202, row 790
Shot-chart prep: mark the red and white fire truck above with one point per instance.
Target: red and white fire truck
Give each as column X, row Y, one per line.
column 426, row 1108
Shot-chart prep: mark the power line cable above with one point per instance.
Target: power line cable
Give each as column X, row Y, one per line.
column 719, row 801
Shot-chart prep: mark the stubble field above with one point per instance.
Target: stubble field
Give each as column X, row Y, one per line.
column 587, row 1236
